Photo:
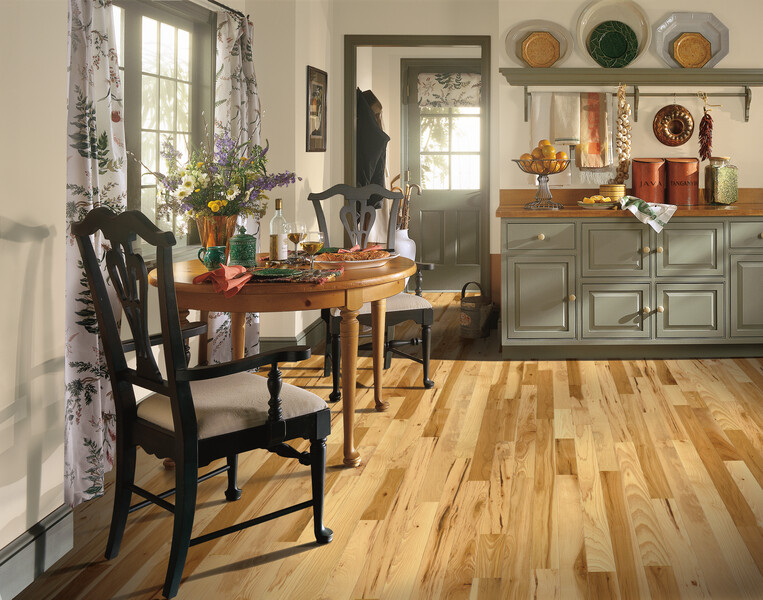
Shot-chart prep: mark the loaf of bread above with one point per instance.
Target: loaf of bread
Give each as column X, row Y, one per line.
column 351, row 256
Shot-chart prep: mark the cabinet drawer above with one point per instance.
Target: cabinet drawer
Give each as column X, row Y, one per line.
column 544, row 235
column 616, row 310
column 687, row 310
column 690, row 249
column 614, row 249
column 747, row 235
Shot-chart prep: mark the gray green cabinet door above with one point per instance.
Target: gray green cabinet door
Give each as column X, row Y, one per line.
column 615, row 249
column 690, row 310
column 747, row 295
column 690, row 249
column 538, row 303
column 616, row 310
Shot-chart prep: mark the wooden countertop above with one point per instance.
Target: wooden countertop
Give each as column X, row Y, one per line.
column 512, row 203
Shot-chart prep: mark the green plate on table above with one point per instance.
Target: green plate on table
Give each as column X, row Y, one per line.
column 613, row 44
column 275, row 272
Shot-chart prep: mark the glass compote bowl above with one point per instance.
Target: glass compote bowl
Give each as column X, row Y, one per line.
column 296, row 232
column 543, row 167
column 312, row 244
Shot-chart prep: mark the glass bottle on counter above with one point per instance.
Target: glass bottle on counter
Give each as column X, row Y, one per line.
column 721, row 181
column 278, row 249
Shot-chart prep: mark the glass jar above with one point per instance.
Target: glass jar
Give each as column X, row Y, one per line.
column 721, row 181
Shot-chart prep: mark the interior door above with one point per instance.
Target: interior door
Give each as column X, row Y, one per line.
column 444, row 114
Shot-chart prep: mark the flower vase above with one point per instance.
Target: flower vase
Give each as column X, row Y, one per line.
column 216, row 231
column 405, row 246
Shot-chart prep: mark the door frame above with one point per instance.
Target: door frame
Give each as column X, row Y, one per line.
column 351, row 44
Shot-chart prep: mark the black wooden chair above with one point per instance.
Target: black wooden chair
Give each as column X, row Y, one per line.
column 358, row 216
column 196, row 415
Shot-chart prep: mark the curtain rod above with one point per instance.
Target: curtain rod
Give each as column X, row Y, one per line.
column 228, row 8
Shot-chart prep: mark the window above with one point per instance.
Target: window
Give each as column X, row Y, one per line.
column 166, row 57
column 450, row 148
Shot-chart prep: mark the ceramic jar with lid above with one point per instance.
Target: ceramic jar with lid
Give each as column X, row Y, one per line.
column 243, row 249
column 721, row 181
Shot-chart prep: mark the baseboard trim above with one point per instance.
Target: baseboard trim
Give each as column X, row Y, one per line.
column 29, row 555
column 632, row 352
column 313, row 336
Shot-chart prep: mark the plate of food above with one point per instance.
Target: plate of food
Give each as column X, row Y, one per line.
column 598, row 203
column 362, row 259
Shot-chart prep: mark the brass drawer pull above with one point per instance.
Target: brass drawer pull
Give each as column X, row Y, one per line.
column 572, row 298
column 541, row 236
column 659, row 250
column 646, row 249
column 660, row 309
column 646, row 310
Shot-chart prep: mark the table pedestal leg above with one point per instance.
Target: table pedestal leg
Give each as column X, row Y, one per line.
column 348, row 332
column 237, row 334
column 378, row 310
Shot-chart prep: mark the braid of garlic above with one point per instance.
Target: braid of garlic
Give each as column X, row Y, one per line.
column 623, row 136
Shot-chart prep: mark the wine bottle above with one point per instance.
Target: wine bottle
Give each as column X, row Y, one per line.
column 278, row 250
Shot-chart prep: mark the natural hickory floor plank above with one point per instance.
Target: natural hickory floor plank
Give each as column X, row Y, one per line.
column 509, row 479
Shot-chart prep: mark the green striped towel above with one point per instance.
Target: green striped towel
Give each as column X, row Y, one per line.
column 654, row 215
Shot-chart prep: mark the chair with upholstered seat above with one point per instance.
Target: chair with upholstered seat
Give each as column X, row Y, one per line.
column 358, row 217
column 197, row 414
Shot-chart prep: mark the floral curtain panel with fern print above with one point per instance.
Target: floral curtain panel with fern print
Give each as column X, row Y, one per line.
column 449, row 90
column 237, row 107
column 95, row 176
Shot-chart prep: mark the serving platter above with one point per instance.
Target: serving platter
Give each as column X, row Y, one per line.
column 624, row 11
column 350, row 265
column 704, row 23
column 598, row 205
column 519, row 34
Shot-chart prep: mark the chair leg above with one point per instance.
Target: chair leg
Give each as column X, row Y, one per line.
column 328, row 353
column 323, row 535
column 389, row 333
column 426, row 339
column 185, row 506
column 336, row 394
column 233, row 492
column 125, row 476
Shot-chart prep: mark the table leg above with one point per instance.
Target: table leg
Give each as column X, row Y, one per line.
column 238, row 334
column 378, row 310
column 348, row 332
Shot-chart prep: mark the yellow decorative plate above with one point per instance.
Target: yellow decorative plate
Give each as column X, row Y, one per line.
column 692, row 50
column 540, row 49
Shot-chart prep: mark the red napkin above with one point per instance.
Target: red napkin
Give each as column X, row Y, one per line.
column 226, row 280
column 355, row 248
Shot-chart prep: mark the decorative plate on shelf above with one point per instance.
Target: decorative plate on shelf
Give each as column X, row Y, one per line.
column 624, row 11
column 540, row 49
column 703, row 23
column 598, row 205
column 521, row 32
column 692, row 50
column 613, row 44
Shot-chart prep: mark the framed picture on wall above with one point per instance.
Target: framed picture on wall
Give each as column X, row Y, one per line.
column 316, row 109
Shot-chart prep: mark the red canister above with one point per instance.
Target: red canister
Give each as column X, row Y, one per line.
column 683, row 181
column 648, row 178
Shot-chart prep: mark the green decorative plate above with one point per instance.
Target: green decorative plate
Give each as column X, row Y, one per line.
column 275, row 272
column 613, row 44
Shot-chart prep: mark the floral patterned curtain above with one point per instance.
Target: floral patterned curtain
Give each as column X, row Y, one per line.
column 237, row 106
column 96, row 175
column 439, row 90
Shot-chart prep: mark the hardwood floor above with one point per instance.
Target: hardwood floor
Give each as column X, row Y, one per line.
column 558, row 480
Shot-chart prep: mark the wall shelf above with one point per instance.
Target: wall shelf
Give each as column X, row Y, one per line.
column 743, row 78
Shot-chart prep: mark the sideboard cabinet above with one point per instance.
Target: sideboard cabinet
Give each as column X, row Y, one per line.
column 607, row 287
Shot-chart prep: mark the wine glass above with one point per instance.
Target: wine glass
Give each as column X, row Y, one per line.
column 296, row 232
column 312, row 243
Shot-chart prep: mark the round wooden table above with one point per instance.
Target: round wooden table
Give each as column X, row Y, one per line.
column 348, row 293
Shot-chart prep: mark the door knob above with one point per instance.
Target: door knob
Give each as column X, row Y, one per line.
column 660, row 309
column 646, row 310
column 541, row 237
column 659, row 249
column 761, row 236
column 646, row 249
column 572, row 297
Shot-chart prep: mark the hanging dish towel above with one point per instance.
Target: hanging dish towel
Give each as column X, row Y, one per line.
column 654, row 215
column 565, row 119
column 540, row 129
column 593, row 149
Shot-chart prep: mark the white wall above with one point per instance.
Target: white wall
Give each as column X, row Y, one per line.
column 33, row 172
